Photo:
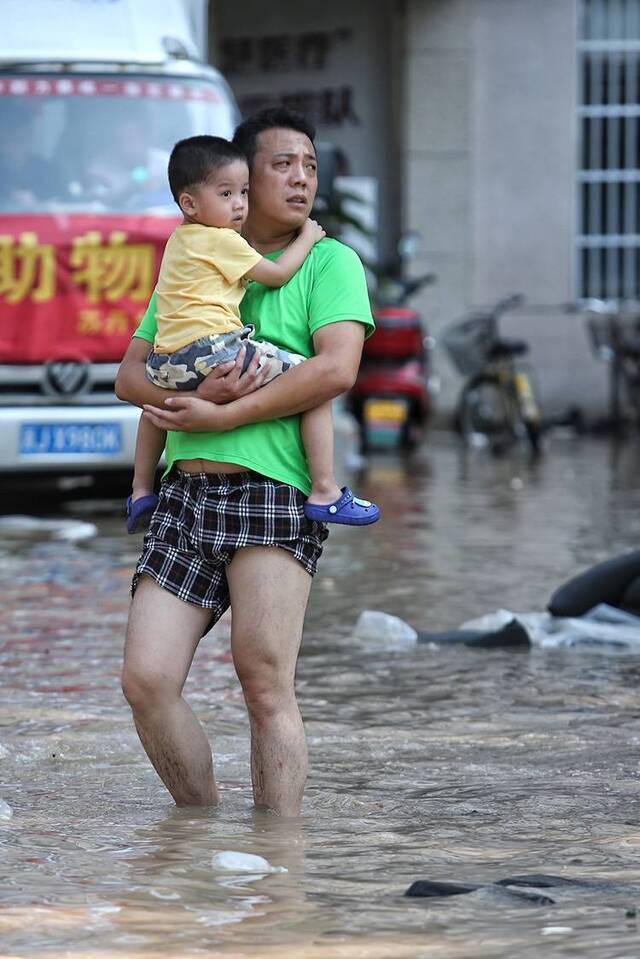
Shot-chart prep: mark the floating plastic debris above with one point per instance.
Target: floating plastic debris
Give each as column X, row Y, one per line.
column 375, row 625
column 243, row 862
column 604, row 628
column 6, row 812
column 36, row 528
column 164, row 894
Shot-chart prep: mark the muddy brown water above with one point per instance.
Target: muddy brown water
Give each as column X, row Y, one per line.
column 450, row 764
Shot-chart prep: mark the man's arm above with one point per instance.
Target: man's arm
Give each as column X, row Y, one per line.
column 132, row 384
column 326, row 375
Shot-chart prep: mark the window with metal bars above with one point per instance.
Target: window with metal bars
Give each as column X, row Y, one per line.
column 608, row 228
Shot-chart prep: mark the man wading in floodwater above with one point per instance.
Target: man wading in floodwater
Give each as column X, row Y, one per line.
column 235, row 488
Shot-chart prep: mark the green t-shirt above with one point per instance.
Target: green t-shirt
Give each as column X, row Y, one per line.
column 329, row 287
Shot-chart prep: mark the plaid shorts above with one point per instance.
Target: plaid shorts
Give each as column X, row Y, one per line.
column 203, row 518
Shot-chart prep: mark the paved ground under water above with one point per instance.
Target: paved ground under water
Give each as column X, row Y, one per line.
column 426, row 763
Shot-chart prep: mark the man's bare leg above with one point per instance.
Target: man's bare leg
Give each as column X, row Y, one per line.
column 269, row 592
column 162, row 637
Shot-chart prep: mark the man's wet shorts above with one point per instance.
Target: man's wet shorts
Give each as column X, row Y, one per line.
column 203, row 518
column 187, row 367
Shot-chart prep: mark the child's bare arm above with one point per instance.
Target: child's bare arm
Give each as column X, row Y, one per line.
column 277, row 273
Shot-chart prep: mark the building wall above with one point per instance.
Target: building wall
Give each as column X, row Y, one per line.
column 464, row 113
column 334, row 62
column 489, row 160
column 523, row 132
column 438, row 60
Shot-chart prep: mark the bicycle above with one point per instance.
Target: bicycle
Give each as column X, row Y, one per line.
column 614, row 330
column 497, row 407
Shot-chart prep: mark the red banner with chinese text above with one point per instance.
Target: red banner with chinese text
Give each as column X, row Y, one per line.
column 75, row 286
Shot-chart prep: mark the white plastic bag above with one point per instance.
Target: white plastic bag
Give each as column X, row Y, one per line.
column 602, row 627
column 378, row 626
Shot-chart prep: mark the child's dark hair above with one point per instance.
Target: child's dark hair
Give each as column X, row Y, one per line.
column 271, row 118
column 193, row 160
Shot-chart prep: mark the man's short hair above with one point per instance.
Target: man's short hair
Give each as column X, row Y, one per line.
column 193, row 160
column 271, row 118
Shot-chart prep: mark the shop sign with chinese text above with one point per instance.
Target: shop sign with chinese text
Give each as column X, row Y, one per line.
column 75, row 286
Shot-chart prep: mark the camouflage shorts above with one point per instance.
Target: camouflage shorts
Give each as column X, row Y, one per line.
column 187, row 367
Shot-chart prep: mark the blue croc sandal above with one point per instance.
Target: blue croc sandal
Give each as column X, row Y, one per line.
column 347, row 510
column 140, row 511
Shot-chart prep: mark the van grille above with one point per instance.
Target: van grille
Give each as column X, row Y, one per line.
column 28, row 385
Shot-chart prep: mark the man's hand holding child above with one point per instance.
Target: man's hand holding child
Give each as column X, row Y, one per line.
column 203, row 410
column 227, row 382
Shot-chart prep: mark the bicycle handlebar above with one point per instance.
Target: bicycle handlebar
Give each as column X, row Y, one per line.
column 510, row 302
column 395, row 291
column 490, row 316
column 610, row 307
column 412, row 286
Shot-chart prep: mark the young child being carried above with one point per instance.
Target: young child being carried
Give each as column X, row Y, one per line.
column 203, row 275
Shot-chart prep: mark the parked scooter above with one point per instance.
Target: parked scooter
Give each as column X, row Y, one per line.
column 392, row 396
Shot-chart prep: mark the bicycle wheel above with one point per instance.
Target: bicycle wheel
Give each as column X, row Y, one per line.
column 486, row 415
column 528, row 410
column 533, row 431
column 629, row 392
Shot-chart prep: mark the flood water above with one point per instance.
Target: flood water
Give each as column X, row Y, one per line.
column 450, row 764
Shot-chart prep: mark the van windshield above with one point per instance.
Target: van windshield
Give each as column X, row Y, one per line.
column 98, row 144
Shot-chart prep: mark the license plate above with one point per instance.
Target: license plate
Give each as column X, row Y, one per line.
column 80, row 438
column 381, row 412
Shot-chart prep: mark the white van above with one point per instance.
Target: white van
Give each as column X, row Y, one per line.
column 93, row 95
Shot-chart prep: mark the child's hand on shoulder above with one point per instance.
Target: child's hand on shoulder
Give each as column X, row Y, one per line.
column 311, row 230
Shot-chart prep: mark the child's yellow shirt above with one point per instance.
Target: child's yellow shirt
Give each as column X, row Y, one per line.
column 200, row 284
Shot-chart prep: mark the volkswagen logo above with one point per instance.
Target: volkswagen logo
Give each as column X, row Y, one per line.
column 65, row 377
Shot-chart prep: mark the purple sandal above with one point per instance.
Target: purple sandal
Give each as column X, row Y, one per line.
column 347, row 510
column 140, row 511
